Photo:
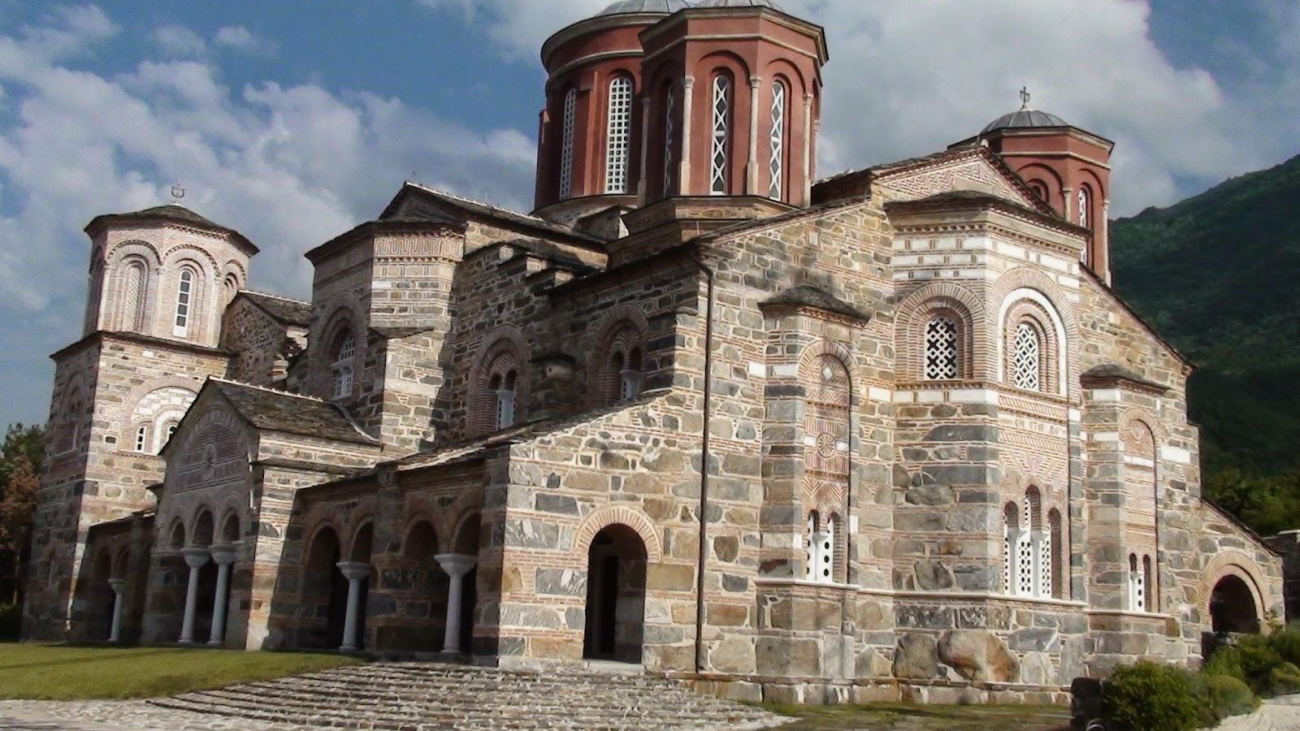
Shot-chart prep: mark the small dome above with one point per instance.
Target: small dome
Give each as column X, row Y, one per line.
column 740, row 4
column 628, row 7
column 1025, row 118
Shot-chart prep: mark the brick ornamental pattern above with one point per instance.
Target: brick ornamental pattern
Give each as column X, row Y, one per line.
column 489, row 434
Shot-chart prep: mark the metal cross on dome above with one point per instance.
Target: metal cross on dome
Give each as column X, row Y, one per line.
column 178, row 192
column 1024, row 96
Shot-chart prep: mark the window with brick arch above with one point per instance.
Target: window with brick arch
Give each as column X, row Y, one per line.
column 720, row 149
column 618, row 135
column 1030, row 545
column 497, row 401
column 670, row 135
column 503, row 387
column 343, row 363
column 827, row 458
column 1085, row 207
column 1027, row 359
column 135, row 289
column 568, row 129
column 142, row 438
column 617, row 367
column 186, row 294
column 942, row 349
column 776, row 143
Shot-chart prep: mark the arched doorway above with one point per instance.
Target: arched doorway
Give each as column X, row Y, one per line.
column 362, row 547
column 616, row 573
column 207, row 597
column 467, row 545
column 325, row 591
column 421, row 550
column 102, row 599
column 1232, row 607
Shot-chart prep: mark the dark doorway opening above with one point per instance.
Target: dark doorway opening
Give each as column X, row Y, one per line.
column 1232, row 607
column 615, row 617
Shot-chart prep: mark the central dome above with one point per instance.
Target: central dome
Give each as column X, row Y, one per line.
column 1025, row 119
column 630, row 7
column 740, row 4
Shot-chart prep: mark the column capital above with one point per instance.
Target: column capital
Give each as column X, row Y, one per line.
column 755, row 80
column 354, row 570
column 456, row 564
column 196, row 557
column 119, row 585
column 223, row 554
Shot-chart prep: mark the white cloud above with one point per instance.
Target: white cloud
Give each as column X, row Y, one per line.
column 908, row 77
column 289, row 166
column 178, row 41
column 242, row 39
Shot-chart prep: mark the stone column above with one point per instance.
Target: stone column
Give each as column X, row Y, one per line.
column 195, row 558
column 119, row 591
column 224, row 555
column 646, row 108
column 688, row 126
column 751, row 168
column 456, row 566
column 807, row 149
column 355, row 573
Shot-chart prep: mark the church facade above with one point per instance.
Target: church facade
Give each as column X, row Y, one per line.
column 886, row 435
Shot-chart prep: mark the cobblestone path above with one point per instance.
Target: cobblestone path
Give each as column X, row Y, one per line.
column 1281, row 714
column 426, row 696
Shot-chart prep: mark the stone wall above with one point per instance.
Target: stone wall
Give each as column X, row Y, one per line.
column 263, row 346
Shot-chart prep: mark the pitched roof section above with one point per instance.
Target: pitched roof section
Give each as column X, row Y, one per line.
column 965, row 199
column 170, row 212
column 478, row 209
column 1112, row 373
column 283, row 309
column 290, row 413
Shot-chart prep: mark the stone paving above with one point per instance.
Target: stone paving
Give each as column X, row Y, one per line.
column 1279, row 714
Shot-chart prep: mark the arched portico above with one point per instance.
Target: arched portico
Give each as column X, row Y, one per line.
column 1233, row 607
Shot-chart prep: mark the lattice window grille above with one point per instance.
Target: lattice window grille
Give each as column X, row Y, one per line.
column 1008, row 554
column 826, row 554
column 566, row 144
column 1026, row 366
column 1025, row 555
column 777, row 164
column 670, row 111
column 721, row 132
column 811, row 546
column 941, row 349
column 343, row 367
column 618, row 134
column 1045, row 548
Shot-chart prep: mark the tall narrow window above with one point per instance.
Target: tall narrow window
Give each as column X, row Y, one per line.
column 629, row 374
column 618, row 134
column 566, row 144
column 133, row 297
column 1027, row 363
column 1025, row 578
column 184, row 301
column 343, row 366
column 776, row 166
column 1149, row 603
column 1085, row 208
column 811, row 540
column 141, row 438
column 820, row 554
column 670, row 113
column 1136, row 585
column 941, row 349
column 721, row 135
column 1055, row 549
column 504, row 386
column 1010, row 539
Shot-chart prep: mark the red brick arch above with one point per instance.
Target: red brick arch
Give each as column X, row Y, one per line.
column 914, row 314
column 618, row 515
column 1234, row 563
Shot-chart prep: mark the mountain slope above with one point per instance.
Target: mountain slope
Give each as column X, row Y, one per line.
column 1219, row 276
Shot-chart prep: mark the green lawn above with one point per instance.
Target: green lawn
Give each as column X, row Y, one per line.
column 59, row 672
column 902, row 717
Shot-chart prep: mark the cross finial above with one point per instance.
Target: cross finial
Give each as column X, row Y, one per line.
column 1024, row 96
column 178, row 192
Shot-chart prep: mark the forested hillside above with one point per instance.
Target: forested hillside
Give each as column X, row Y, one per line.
column 1219, row 276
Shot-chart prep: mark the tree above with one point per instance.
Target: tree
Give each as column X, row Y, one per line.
column 17, row 511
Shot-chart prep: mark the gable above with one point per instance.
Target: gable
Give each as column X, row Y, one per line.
column 971, row 172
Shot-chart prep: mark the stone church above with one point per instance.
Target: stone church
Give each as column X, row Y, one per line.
column 889, row 434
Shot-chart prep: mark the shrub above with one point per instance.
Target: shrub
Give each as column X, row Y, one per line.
column 11, row 617
column 1151, row 697
column 1284, row 680
column 1224, row 696
column 1225, row 661
column 1286, row 642
column 1258, row 661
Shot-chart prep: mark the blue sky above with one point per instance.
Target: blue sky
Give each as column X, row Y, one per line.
column 293, row 120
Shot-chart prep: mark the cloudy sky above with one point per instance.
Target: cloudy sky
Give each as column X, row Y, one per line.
column 293, row 120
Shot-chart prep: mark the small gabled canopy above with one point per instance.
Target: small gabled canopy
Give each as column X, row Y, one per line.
column 283, row 309
column 1111, row 374
column 806, row 295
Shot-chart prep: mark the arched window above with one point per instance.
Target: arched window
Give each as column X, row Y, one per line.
column 567, row 143
column 168, row 432
column 1039, row 188
column 134, row 293
column 1029, row 548
column 1010, row 539
column 629, row 374
column 1085, row 207
column 820, row 554
column 185, row 291
column 503, row 385
column 1148, row 586
column 941, row 354
column 141, row 438
column 1056, row 549
column 343, row 366
column 719, row 167
column 776, row 165
column 1137, row 599
column 618, row 134
column 670, row 132
column 230, row 288
column 1027, row 362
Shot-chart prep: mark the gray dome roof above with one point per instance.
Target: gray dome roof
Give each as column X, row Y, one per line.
column 626, row 7
column 1023, row 119
column 739, row 4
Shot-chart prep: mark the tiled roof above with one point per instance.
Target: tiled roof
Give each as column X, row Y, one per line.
column 171, row 212
column 290, row 413
column 289, row 311
column 487, row 210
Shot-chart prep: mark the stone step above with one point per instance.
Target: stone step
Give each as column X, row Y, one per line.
column 428, row 696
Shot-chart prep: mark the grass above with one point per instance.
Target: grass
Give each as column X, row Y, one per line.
column 904, row 717
column 61, row 672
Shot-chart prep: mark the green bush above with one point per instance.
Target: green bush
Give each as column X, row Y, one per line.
column 11, row 617
column 1224, row 696
column 1225, row 661
column 1258, row 661
column 1286, row 642
column 1284, row 680
column 1151, row 697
